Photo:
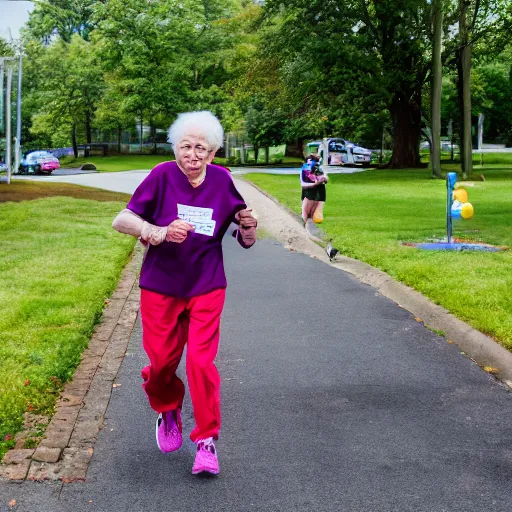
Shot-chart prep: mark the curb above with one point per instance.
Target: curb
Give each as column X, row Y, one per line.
column 482, row 349
column 68, row 444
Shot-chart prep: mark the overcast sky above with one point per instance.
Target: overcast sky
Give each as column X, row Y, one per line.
column 13, row 15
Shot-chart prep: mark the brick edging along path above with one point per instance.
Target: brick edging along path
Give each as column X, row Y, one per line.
column 68, row 444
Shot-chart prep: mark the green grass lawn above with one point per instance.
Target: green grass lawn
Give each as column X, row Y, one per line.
column 369, row 214
column 60, row 260
column 117, row 163
column 140, row 162
column 123, row 162
column 486, row 158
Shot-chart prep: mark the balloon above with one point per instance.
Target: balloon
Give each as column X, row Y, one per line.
column 318, row 217
column 456, row 209
column 461, row 195
column 467, row 211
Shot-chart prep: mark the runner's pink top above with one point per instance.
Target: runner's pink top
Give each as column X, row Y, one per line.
column 196, row 266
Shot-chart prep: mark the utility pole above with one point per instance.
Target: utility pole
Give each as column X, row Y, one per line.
column 8, row 140
column 17, row 147
column 1, row 96
column 8, row 120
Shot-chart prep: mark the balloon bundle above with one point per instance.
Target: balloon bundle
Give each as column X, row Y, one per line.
column 461, row 207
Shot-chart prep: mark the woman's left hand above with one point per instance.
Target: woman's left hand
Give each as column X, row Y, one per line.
column 246, row 219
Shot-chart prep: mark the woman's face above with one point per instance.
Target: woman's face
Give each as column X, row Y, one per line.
column 193, row 154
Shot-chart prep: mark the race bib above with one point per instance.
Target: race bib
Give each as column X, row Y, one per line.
column 200, row 218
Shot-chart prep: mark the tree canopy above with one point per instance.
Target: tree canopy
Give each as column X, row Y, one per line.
column 276, row 71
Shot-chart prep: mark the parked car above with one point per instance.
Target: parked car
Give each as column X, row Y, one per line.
column 39, row 162
column 338, row 152
column 3, row 167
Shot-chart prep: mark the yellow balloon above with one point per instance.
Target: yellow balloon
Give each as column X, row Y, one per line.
column 318, row 218
column 467, row 211
column 461, row 195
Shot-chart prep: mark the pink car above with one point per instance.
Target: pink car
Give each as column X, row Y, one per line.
column 39, row 162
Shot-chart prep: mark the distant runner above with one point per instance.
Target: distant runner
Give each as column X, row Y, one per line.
column 312, row 181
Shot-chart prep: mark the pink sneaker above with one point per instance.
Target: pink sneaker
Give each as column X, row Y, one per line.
column 168, row 431
column 206, row 458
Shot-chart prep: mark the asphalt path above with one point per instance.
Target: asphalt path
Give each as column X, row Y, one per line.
column 334, row 399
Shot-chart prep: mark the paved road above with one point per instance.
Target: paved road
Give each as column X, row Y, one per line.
column 334, row 399
column 116, row 181
column 128, row 180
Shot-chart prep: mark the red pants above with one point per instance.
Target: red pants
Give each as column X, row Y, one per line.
column 168, row 323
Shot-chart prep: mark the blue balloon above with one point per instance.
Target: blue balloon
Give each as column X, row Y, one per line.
column 456, row 210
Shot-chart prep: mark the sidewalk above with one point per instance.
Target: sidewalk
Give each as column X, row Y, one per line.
column 334, row 399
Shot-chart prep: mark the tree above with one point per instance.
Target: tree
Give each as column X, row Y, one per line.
column 492, row 83
column 464, row 70
column 483, row 31
column 160, row 64
column 69, row 86
column 110, row 114
column 264, row 128
column 350, row 59
column 61, row 19
column 437, row 86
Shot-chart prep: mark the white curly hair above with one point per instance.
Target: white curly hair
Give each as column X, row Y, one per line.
column 202, row 123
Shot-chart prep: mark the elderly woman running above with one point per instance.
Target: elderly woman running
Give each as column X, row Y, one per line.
column 182, row 211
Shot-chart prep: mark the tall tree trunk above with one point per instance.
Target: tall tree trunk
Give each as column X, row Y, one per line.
column 88, row 135
column 381, row 154
column 242, row 152
column 73, row 140
column 141, row 133
column 153, row 135
column 227, row 147
column 464, row 83
column 406, row 118
column 295, row 150
column 119, row 133
column 437, row 87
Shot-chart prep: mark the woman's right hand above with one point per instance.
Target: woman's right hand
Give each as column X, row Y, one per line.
column 177, row 231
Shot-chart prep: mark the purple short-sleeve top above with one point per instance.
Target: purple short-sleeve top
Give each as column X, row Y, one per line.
column 195, row 266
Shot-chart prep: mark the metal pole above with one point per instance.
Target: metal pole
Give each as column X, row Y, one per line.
column 17, row 147
column 481, row 118
column 1, row 96
column 8, row 125
column 451, row 177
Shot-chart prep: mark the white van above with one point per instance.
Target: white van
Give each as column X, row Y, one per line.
column 336, row 152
